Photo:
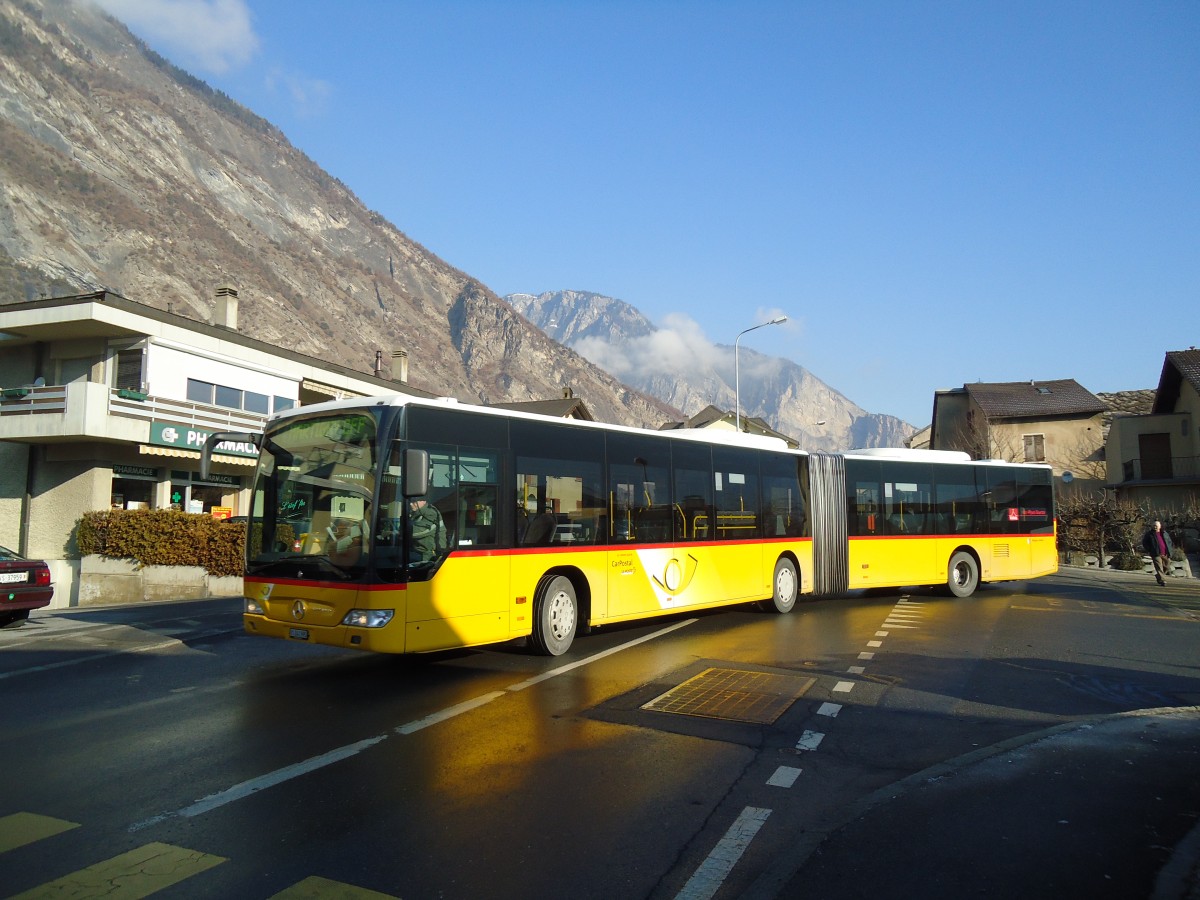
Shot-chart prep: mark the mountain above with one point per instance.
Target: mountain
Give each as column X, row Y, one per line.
column 678, row 365
column 120, row 171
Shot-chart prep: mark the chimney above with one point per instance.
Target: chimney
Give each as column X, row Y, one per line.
column 227, row 307
column 400, row 368
column 378, row 363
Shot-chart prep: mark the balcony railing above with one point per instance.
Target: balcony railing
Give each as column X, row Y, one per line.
column 185, row 412
column 32, row 401
column 26, row 401
column 1174, row 468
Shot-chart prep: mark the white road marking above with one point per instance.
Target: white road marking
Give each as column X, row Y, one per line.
column 874, row 643
column 785, row 776
column 270, row 779
column 829, row 709
column 866, row 654
column 810, row 740
column 707, row 879
column 855, row 670
column 843, row 687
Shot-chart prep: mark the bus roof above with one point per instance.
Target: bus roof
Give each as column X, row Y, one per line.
column 703, row 435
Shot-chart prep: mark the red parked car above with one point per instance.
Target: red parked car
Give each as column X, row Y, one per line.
column 24, row 585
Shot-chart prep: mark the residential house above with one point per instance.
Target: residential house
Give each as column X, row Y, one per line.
column 712, row 417
column 1154, row 459
column 1056, row 422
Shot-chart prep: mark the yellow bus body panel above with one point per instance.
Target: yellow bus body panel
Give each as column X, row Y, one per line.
column 911, row 561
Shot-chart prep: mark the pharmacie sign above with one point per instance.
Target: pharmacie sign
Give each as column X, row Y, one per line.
column 186, row 437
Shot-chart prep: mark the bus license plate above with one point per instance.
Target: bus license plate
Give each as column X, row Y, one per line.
column 299, row 634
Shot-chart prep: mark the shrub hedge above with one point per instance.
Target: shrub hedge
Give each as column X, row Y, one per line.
column 164, row 537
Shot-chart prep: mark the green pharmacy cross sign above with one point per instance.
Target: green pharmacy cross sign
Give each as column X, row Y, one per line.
column 187, row 437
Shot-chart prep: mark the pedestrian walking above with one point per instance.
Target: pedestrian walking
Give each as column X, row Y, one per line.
column 1158, row 544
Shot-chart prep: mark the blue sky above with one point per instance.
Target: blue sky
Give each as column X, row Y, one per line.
column 934, row 193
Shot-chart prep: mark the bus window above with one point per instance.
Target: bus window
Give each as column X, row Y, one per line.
column 639, row 488
column 558, row 498
column 959, row 502
column 478, row 488
column 784, row 514
column 907, row 495
column 1004, row 514
column 1036, row 501
column 693, row 490
column 863, row 498
column 735, row 483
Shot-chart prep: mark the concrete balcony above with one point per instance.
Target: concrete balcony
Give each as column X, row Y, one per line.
column 88, row 411
column 1167, row 469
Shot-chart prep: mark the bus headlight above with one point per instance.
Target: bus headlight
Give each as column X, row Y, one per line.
column 254, row 608
column 368, row 618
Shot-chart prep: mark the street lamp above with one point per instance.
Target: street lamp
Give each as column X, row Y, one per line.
column 737, row 388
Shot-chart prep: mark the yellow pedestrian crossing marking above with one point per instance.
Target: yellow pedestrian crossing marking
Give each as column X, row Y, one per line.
column 24, row 828
column 317, row 888
column 142, row 872
column 138, row 873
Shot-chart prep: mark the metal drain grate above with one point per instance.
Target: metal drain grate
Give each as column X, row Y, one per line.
column 735, row 694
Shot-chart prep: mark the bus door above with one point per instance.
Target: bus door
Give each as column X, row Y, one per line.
column 907, row 516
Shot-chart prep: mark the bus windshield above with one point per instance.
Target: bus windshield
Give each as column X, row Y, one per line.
column 313, row 496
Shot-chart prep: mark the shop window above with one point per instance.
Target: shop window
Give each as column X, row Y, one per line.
column 132, row 493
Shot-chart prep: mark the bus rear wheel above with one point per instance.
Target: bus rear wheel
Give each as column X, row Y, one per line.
column 963, row 576
column 555, row 617
column 785, row 587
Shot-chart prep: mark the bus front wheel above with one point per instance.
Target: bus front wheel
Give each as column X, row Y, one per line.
column 785, row 587
column 555, row 617
column 964, row 574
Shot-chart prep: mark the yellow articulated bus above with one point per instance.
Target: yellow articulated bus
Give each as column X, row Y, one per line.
column 403, row 525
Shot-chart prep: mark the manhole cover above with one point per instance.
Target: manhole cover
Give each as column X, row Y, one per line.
column 758, row 697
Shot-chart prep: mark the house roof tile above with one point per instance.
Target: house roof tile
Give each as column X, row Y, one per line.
column 1019, row 399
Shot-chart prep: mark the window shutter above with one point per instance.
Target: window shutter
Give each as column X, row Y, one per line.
column 129, row 370
column 1035, row 448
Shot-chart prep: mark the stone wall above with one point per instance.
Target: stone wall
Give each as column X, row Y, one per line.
column 105, row 581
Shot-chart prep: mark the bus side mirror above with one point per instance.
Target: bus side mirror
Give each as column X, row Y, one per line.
column 416, row 473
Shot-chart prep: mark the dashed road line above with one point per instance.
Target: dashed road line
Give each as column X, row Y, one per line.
column 287, row 773
column 810, row 740
column 707, row 880
column 784, row 776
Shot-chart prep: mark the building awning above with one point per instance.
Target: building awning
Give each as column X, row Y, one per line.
column 150, row 450
column 317, row 388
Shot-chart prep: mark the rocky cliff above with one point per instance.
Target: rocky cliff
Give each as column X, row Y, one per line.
column 120, row 171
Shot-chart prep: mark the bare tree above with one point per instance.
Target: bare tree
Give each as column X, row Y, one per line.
column 1096, row 522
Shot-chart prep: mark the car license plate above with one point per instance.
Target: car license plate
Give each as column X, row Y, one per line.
column 299, row 634
column 13, row 577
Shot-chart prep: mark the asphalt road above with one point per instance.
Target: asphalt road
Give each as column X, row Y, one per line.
column 894, row 745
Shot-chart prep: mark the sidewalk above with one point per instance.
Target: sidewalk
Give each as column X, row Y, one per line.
column 1102, row 808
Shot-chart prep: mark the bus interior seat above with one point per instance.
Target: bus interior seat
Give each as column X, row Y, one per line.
column 540, row 530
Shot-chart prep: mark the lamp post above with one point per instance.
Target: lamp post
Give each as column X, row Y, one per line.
column 737, row 387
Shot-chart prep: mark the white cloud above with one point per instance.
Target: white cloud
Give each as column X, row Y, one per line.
column 679, row 349
column 676, row 348
column 212, row 35
column 309, row 96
